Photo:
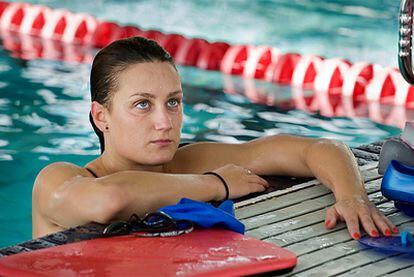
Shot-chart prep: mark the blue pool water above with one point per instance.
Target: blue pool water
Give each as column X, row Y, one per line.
column 44, row 104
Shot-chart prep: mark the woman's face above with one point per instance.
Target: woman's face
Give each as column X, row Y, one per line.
column 146, row 113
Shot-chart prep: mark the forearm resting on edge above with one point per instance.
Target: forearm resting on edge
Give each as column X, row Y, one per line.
column 334, row 165
column 143, row 192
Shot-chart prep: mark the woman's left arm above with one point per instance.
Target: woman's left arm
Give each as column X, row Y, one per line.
column 331, row 162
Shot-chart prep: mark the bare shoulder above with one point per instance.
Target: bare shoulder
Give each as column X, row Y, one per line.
column 57, row 172
column 52, row 177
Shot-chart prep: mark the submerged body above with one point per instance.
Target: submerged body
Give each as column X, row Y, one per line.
column 137, row 113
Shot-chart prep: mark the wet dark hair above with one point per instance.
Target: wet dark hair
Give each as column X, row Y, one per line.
column 111, row 61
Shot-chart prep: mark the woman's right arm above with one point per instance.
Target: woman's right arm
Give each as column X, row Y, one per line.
column 67, row 198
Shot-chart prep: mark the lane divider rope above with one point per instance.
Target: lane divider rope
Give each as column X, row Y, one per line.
column 362, row 81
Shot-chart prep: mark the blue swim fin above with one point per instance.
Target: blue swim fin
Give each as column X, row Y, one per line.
column 398, row 182
column 398, row 185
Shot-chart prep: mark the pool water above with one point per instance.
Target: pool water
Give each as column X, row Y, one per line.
column 44, row 104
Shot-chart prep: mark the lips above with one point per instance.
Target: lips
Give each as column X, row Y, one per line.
column 162, row 142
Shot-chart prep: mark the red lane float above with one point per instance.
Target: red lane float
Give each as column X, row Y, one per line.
column 356, row 80
column 305, row 71
column 105, row 33
column 332, row 76
column 234, row 60
column 382, row 87
column 281, row 71
column 189, row 51
column 211, row 56
column 171, row 43
column 258, row 60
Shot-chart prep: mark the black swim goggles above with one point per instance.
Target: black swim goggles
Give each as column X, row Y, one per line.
column 156, row 224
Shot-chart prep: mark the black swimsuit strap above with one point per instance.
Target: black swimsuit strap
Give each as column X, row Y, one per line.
column 93, row 173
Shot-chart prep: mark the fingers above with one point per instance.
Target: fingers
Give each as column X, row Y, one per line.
column 263, row 182
column 257, row 179
column 254, row 178
column 370, row 218
column 383, row 223
column 394, row 228
column 331, row 218
column 257, row 183
column 368, row 222
column 352, row 222
column 255, row 187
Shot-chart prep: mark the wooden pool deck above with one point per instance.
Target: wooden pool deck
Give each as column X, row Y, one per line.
column 293, row 218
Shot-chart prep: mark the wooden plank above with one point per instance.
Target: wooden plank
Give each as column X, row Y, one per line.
column 313, row 262
column 302, row 208
column 262, row 209
column 369, row 172
column 287, row 225
column 289, row 212
column 406, row 272
column 340, row 258
column 339, row 234
column 303, row 234
column 373, row 148
column 297, row 197
column 282, row 201
column 390, row 264
column 285, row 200
column 305, row 220
column 252, row 202
column 341, row 254
column 343, row 264
column 368, row 156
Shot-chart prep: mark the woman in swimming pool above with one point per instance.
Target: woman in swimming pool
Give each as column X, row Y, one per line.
column 136, row 112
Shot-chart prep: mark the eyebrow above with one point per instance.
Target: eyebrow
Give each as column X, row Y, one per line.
column 150, row 95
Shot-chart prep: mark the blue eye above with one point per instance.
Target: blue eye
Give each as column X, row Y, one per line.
column 173, row 103
column 143, row 105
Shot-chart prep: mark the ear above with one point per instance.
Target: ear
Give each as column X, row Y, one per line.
column 99, row 115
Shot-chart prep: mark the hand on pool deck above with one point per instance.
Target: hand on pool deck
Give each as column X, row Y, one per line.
column 240, row 181
column 356, row 211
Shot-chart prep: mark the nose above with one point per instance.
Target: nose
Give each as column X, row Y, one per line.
column 162, row 120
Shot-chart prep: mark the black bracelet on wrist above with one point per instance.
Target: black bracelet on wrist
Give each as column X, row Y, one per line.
column 222, row 180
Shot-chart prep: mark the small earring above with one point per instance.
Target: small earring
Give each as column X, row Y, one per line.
column 106, row 128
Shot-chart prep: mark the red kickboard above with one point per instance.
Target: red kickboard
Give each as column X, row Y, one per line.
column 210, row 252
